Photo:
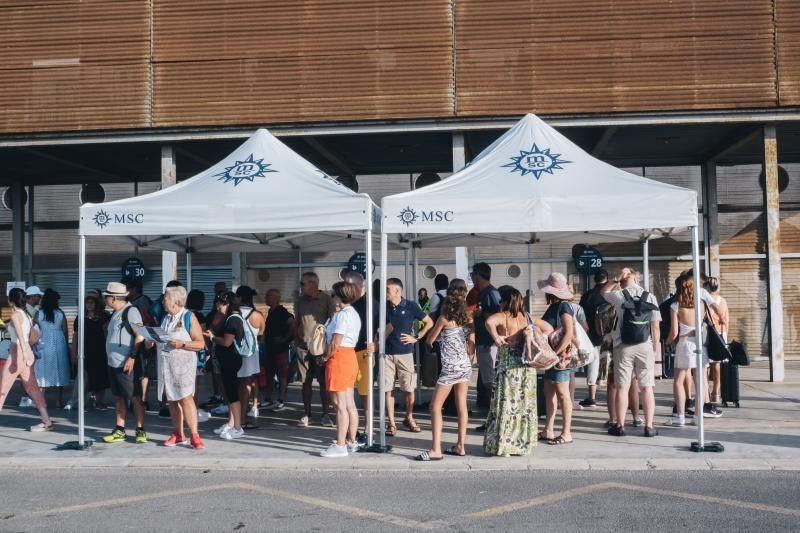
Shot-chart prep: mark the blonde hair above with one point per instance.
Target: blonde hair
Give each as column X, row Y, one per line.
column 176, row 294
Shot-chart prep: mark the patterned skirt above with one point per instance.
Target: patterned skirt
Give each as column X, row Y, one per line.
column 512, row 424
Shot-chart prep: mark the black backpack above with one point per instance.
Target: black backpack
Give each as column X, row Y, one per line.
column 635, row 328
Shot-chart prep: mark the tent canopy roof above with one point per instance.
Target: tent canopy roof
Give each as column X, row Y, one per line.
column 263, row 186
column 535, row 181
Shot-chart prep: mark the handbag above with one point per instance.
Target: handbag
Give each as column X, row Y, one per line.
column 717, row 347
column 536, row 350
column 317, row 343
column 580, row 352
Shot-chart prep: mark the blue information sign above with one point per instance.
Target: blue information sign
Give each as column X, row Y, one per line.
column 358, row 263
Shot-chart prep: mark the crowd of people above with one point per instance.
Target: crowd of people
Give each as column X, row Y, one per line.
column 326, row 340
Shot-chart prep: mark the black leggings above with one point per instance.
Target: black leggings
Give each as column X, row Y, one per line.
column 229, row 365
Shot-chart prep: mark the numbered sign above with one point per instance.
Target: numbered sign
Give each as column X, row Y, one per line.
column 358, row 263
column 588, row 261
column 133, row 268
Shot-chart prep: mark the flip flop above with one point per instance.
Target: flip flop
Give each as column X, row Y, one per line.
column 411, row 426
column 249, row 425
column 542, row 437
column 425, row 456
column 452, row 451
column 390, row 431
column 558, row 441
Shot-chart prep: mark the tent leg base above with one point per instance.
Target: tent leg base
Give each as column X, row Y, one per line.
column 75, row 445
column 377, row 448
column 715, row 447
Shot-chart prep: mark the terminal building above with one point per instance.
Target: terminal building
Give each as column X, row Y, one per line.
column 102, row 99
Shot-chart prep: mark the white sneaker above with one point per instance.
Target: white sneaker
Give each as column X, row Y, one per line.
column 232, row 434
column 278, row 407
column 638, row 422
column 222, row 429
column 203, row 415
column 220, row 410
column 25, row 402
column 576, row 405
column 68, row 406
column 353, row 447
column 677, row 421
column 326, row 421
column 303, row 422
column 253, row 412
column 334, row 450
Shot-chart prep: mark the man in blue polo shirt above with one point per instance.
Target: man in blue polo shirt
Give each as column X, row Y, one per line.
column 401, row 314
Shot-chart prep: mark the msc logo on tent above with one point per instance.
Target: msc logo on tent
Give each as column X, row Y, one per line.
column 103, row 219
column 536, row 162
column 408, row 216
column 248, row 169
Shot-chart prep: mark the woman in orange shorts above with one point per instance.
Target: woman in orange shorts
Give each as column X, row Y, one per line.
column 341, row 368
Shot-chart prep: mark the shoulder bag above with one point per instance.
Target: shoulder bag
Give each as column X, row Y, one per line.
column 536, row 350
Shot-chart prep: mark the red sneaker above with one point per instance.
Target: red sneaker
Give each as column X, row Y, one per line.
column 174, row 440
column 196, row 443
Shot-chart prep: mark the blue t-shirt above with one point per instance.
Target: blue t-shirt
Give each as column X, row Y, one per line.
column 402, row 317
column 553, row 313
column 489, row 300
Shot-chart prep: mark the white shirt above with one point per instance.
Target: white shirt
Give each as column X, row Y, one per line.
column 346, row 323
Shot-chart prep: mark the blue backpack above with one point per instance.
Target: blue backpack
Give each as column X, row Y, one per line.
column 248, row 345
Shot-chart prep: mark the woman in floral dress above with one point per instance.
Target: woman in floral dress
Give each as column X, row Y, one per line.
column 512, row 423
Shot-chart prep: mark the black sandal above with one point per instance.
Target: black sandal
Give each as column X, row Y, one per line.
column 426, row 456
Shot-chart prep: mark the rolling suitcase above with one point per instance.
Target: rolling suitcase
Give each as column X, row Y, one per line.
column 729, row 381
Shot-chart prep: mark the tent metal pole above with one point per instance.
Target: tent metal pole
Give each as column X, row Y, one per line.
column 369, row 415
column 81, row 336
column 646, row 264
column 417, row 347
column 698, row 320
column 188, row 264
column 382, row 336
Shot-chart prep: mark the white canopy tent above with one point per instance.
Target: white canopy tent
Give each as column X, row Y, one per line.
column 263, row 196
column 534, row 184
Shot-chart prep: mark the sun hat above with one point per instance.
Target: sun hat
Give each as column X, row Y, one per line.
column 33, row 290
column 556, row 284
column 115, row 288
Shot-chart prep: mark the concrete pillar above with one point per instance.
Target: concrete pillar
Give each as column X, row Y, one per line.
column 169, row 260
column 17, row 233
column 459, row 152
column 711, row 218
column 461, row 252
column 775, row 282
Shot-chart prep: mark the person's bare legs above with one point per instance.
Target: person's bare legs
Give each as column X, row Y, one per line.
column 621, row 400
column 188, row 411
column 31, row 387
column 551, row 403
column 714, row 371
column 177, row 418
column 307, row 398
column 410, row 407
column 648, row 405
column 565, row 401
column 461, row 390
column 440, row 393
column 390, row 409
column 352, row 415
column 633, row 398
column 245, row 389
column 679, row 390
column 339, row 402
column 138, row 411
column 611, row 401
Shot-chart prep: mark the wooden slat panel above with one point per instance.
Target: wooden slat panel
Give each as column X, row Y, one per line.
column 556, row 57
column 74, row 65
column 791, row 306
column 788, row 28
column 743, row 284
column 237, row 62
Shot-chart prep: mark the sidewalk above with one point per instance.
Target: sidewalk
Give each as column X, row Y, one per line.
column 764, row 434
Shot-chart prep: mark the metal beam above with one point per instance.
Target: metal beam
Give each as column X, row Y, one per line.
column 708, row 173
column 337, row 161
column 742, row 116
column 775, row 277
column 602, row 143
column 72, row 164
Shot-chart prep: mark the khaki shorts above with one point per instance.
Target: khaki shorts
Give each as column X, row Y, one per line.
column 634, row 359
column 364, row 379
column 307, row 368
column 401, row 369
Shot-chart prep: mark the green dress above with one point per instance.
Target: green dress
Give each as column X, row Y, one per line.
column 512, row 423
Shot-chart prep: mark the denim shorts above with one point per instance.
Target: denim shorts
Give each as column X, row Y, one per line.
column 557, row 376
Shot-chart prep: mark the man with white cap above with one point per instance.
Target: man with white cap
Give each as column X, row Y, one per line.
column 33, row 296
column 124, row 367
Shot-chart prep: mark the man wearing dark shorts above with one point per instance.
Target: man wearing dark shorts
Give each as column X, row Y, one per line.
column 124, row 367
